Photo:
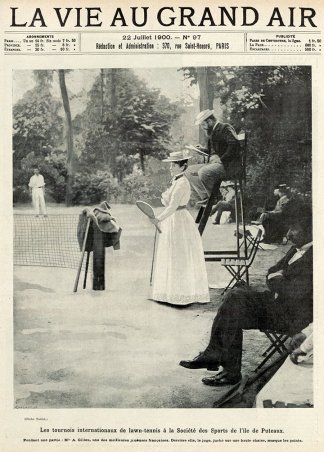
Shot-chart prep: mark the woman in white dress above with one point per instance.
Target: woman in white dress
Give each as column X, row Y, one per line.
column 179, row 276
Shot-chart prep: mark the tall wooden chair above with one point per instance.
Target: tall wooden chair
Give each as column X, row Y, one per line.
column 239, row 181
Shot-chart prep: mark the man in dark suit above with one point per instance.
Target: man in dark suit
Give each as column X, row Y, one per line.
column 223, row 149
column 286, row 307
column 274, row 222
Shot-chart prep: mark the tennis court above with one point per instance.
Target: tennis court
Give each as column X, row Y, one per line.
column 113, row 348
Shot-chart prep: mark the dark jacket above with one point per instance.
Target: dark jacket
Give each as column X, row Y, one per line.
column 102, row 219
column 223, row 142
column 295, row 288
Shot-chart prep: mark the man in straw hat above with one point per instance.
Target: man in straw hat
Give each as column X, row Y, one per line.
column 224, row 161
column 286, row 307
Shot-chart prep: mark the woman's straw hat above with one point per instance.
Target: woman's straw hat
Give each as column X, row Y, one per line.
column 177, row 156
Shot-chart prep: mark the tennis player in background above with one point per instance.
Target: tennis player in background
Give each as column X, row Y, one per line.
column 37, row 189
column 179, row 276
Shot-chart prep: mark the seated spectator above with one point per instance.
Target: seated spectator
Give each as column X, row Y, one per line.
column 227, row 204
column 274, row 223
column 286, row 307
column 254, row 213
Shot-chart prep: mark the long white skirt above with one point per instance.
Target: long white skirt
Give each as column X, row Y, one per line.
column 180, row 275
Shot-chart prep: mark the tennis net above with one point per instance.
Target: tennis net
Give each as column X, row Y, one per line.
column 46, row 241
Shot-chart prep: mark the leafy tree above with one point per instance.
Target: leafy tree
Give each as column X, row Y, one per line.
column 124, row 119
column 37, row 134
column 273, row 105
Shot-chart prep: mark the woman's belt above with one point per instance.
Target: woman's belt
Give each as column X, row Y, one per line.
column 181, row 207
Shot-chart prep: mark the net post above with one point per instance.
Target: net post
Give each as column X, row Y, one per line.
column 82, row 255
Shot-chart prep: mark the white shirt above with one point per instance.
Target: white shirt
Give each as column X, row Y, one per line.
column 36, row 181
column 230, row 194
column 300, row 252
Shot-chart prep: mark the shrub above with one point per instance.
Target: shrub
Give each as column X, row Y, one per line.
column 140, row 187
column 91, row 188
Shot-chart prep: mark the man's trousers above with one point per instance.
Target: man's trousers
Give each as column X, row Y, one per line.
column 39, row 201
column 242, row 309
column 203, row 178
column 223, row 206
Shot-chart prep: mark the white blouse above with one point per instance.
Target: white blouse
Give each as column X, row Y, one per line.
column 175, row 196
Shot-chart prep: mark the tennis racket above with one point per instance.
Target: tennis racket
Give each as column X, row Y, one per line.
column 147, row 210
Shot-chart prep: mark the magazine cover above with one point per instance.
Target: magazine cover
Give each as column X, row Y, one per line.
column 161, row 218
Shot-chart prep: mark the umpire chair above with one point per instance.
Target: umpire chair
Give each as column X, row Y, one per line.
column 239, row 182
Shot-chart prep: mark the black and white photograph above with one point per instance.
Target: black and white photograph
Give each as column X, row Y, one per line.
column 163, row 249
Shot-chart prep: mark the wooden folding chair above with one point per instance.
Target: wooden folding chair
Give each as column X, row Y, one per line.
column 239, row 267
column 249, row 238
column 277, row 345
column 246, row 242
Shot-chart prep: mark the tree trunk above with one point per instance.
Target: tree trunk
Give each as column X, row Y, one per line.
column 114, row 76
column 142, row 160
column 206, row 99
column 110, row 98
column 69, row 137
column 102, row 94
